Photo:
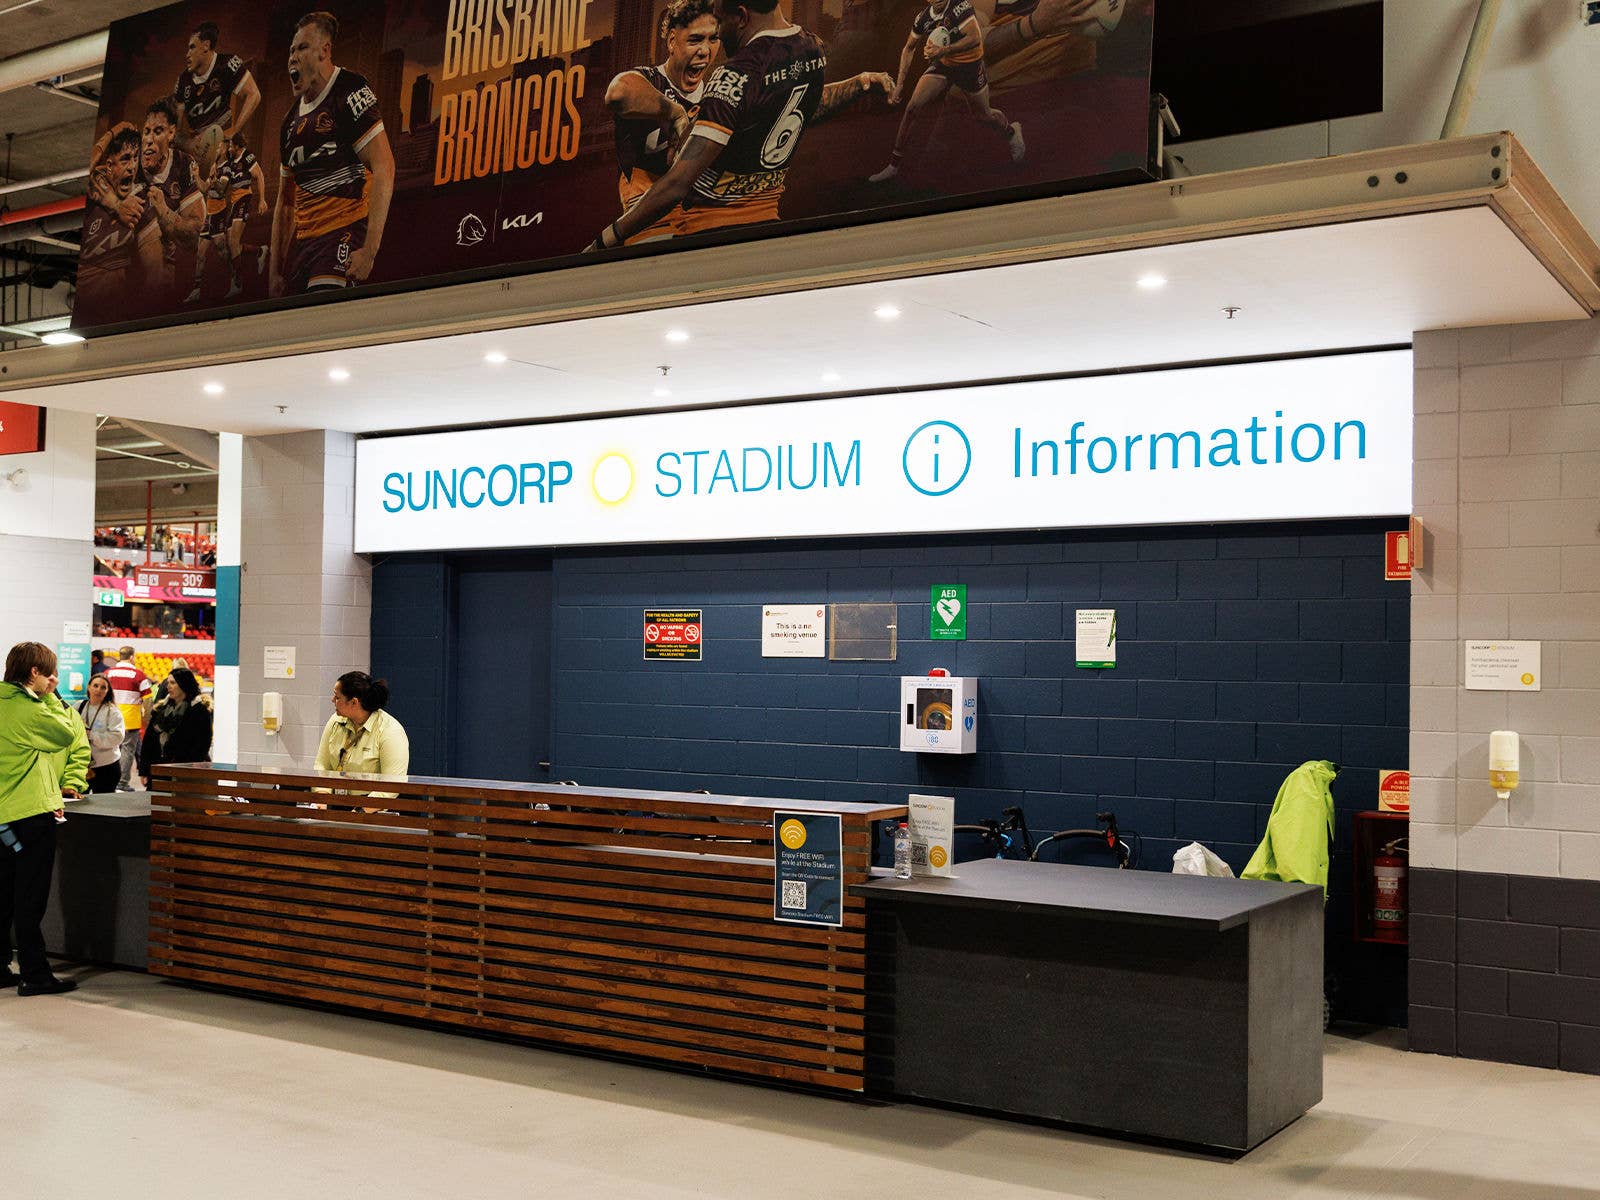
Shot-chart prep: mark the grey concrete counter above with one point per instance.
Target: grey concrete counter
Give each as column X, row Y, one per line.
column 1171, row 1007
column 100, row 896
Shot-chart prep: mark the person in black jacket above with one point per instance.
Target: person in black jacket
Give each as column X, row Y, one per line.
column 187, row 737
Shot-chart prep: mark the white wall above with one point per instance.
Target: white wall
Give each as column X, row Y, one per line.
column 47, row 534
column 1541, row 80
column 1507, row 482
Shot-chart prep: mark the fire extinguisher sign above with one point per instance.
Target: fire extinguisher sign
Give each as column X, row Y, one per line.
column 1397, row 557
column 1394, row 791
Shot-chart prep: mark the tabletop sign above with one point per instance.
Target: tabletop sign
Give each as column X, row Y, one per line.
column 1097, row 637
column 672, row 633
column 1394, row 791
column 794, row 630
column 808, row 868
column 278, row 662
column 947, row 615
column 1503, row 666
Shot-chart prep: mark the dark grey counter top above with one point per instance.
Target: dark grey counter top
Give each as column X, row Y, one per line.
column 123, row 805
column 1143, row 897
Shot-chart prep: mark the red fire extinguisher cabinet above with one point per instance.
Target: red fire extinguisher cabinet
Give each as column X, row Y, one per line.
column 1372, row 832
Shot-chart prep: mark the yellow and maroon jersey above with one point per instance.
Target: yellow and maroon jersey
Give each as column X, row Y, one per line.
column 108, row 253
column 206, row 100
column 319, row 149
column 239, row 169
column 179, row 184
column 642, row 156
column 756, row 105
column 951, row 16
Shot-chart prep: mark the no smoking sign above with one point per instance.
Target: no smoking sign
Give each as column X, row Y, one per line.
column 673, row 633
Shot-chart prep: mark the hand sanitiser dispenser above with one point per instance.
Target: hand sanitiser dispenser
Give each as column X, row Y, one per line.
column 939, row 714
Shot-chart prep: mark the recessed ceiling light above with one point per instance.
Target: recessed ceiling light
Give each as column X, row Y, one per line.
column 212, row 389
column 678, row 336
column 338, row 374
column 661, row 393
column 1150, row 281
column 886, row 312
column 830, row 377
column 494, row 358
column 61, row 337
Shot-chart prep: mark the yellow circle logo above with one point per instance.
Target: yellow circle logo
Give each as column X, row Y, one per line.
column 1527, row 679
column 793, row 834
column 937, row 857
column 612, row 478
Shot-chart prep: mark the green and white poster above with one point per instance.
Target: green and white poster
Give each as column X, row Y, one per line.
column 947, row 615
column 1097, row 637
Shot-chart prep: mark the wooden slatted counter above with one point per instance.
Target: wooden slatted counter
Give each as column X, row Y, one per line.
column 621, row 921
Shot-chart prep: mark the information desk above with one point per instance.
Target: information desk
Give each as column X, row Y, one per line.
column 1157, row 1005
column 630, row 922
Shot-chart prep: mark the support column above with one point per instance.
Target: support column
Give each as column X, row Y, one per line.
column 230, row 513
column 301, row 586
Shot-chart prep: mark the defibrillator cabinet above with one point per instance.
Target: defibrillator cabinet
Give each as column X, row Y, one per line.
column 939, row 714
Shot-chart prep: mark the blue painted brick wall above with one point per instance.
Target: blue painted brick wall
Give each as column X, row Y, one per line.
column 1243, row 651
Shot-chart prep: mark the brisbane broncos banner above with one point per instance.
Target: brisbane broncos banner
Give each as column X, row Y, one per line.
column 252, row 151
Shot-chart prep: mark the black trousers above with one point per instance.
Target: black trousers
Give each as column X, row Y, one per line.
column 104, row 779
column 25, row 893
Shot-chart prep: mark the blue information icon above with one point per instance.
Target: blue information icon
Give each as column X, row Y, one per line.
column 937, row 458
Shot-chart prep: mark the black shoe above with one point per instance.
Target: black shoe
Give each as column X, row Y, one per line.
column 49, row 987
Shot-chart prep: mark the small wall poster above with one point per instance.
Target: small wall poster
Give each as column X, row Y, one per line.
column 1503, row 666
column 673, row 633
column 947, row 616
column 1097, row 637
column 808, row 868
column 794, row 630
column 279, row 662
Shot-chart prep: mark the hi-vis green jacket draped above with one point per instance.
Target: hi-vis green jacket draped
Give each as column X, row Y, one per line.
column 1295, row 849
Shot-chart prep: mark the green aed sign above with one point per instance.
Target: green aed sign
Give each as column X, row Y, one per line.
column 947, row 616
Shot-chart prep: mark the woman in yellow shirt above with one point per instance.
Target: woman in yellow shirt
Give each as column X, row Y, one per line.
column 361, row 738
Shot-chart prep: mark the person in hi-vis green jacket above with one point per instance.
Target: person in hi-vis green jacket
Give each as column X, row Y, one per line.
column 44, row 755
column 1295, row 849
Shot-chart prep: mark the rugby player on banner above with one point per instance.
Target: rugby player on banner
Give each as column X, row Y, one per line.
column 755, row 108
column 951, row 39
column 215, row 96
column 653, row 107
column 336, row 170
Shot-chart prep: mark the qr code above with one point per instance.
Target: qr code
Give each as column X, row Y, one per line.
column 919, row 854
column 794, row 893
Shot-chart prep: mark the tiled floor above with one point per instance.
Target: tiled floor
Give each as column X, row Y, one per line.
column 137, row 1088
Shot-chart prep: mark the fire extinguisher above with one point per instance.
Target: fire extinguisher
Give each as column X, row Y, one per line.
column 1389, row 892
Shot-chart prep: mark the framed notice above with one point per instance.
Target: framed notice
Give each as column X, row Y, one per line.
column 673, row 633
column 808, row 868
column 794, row 630
column 1504, row 666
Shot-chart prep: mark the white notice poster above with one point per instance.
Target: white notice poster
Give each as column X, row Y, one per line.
column 279, row 662
column 794, row 630
column 931, row 820
column 1097, row 637
column 1503, row 666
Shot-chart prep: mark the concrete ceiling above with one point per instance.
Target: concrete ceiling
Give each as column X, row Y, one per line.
column 1362, row 283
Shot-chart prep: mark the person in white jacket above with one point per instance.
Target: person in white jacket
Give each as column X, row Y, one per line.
column 103, row 721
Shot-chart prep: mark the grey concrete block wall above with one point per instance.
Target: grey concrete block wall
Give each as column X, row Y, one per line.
column 1508, row 486
column 47, row 583
column 301, row 585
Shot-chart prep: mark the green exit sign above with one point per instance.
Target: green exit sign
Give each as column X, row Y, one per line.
column 947, row 616
column 109, row 598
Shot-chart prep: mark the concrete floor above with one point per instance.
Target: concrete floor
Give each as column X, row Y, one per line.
column 135, row 1087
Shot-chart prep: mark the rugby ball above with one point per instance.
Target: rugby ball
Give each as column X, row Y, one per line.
column 211, row 137
column 1104, row 17
column 939, row 37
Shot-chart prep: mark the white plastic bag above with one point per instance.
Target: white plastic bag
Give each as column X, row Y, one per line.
column 1195, row 859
